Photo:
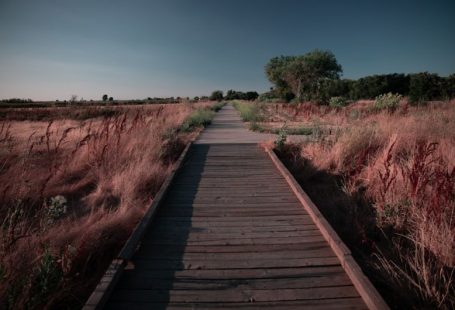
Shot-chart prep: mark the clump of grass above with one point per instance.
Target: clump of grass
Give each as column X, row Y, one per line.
column 199, row 118
column 249, row 112
column 218, row 106
column 302, row 130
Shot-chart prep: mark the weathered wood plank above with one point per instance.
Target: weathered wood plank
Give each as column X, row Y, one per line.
column 353, row 303
column 233, row 295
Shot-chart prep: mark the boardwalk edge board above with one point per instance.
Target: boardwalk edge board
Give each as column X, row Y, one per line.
column 102, row 291
column 366, row 290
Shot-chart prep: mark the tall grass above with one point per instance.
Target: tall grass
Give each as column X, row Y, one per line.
column 388, row 186
column 249, row 112
column 70, row 194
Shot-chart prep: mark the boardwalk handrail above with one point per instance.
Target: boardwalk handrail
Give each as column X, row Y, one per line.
column 102, row 291
column 363, row 285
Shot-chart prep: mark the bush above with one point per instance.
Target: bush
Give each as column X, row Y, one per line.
column 281, row 139
column 249, row 112
column 387, row 101
column 199, row 118
column 57, row 207
column 338, row 102
column 216, row 95
column 218, row 106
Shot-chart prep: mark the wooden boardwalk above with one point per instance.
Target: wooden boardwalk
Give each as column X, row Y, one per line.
column 230, row 233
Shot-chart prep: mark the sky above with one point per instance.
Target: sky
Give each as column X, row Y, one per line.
column 133, row 49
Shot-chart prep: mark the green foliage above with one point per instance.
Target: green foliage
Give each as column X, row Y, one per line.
column 238, row 95
column 423, row 87
column 249, row 112
column 218, row 106
column 57, row 207
column 254, row 126
column 281, row 138
column 216, row 95
column 303, row 131
column 387, row 101
column 48, row 276
column 338, row 102
column 105, row 97
column 199, row 118
column 304, row 74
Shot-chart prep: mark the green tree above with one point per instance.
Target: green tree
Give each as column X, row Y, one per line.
column 275, row 71
column 303, row 75
column 216, row 95
column 105, row 97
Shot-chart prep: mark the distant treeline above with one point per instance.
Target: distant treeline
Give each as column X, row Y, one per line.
column 16, row 100
column 315, row 76
column 418, row 87
column 234, row 95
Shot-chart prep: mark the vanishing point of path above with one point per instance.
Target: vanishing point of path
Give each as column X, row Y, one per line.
column 231, row 234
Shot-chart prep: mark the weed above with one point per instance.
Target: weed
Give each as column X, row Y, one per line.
column 249, row 112
column 338, row 102
column 389, row 102
column 199, row 118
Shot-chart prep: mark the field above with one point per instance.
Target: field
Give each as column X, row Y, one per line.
column 73, row 184
column 385, row 179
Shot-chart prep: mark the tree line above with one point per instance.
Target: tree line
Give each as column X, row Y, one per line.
column 315, row 76
column 233, row 95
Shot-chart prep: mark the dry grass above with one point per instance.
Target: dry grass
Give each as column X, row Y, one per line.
column 70, row 194
column 391, row 176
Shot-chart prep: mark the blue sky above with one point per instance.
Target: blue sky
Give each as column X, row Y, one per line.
column 51, row 49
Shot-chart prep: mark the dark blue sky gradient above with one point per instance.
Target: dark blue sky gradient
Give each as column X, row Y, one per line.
column 51, row 49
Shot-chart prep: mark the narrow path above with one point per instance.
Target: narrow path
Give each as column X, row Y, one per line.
column 232, row 234
column 227, row 127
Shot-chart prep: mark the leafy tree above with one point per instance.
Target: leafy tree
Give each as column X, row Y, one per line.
column 304, row 74
column 216, row 95
column 275, row 71
column 105, row 97
column 111, row 99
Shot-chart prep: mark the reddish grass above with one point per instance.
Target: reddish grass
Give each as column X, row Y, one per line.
column 391, row 176
column 108, row 170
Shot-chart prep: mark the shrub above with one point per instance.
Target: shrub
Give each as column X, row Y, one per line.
column 57, row 207
column 216, row 95
column 249, row 112
column 218, row 106
column 338, row 102
column 387, row 101
column 199, row 118
column 281, row 139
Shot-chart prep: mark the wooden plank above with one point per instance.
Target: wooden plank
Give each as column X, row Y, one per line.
column 233, row 295
column 236, row 274
column 242, row 241
column 199, row 236
column 152, row 254
column 215, row 230
column 192, row 264
column 142, row 283
column 238, row 248
column 367, row 291
column 353, row 303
